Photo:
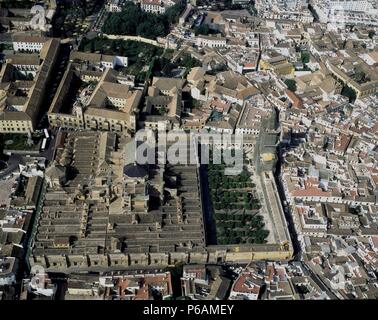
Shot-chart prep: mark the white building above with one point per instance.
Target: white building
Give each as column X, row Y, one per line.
column 113, row 6
column 113, row 61
column 28, row 43
column 295, row 10
column 153, row 6
column 340, row 12
column 211, row 42
column 121, row 61
column 101, row 60
column 350, row 5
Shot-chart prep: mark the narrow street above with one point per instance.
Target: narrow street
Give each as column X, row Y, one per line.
column 288, row 216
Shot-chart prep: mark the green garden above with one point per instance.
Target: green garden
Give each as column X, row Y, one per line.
column 235, row 208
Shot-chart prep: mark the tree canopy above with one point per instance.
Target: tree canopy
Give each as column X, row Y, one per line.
column 291, row 84
column 202, row 29
column 349, row 92
column 133, row 21
column 305, row 57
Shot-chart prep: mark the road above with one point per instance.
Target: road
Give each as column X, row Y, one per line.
column 319, row 282
column 288, row 215
column 98, row 23
column 259, row 56
column 48, row 154
column 95, row 27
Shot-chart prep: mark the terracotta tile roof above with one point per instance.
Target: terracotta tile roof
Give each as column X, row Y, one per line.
column 313, row 192
column 246, row 283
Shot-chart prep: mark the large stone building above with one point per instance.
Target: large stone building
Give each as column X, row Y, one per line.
column 21, row 100
column 163, row 104
column 105, row 212
column 156, row 6
column 92, row 95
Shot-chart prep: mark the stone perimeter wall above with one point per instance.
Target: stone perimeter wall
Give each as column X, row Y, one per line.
column 120, row 261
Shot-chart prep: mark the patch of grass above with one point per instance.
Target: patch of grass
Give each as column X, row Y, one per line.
column 18, row 141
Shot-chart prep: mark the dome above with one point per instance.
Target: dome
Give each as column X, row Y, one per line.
column 135, row 171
